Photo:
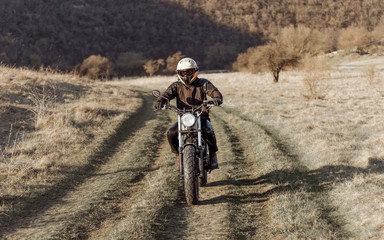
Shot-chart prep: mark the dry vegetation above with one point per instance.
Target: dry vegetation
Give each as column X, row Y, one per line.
column 50, row 124
column 302, row 159
column 134, row 32
column 319, row 154
column 338, row 140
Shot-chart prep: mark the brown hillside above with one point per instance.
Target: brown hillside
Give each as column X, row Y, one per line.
column 63, row 33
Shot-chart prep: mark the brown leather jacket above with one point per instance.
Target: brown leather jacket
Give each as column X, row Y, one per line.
column 192, row 95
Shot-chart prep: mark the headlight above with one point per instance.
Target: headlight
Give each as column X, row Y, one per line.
column 188, row 119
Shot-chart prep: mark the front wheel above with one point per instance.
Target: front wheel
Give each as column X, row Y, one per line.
column 191, row 186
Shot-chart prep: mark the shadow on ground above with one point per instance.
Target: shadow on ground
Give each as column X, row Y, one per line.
column 75, row 176
column 291, row 180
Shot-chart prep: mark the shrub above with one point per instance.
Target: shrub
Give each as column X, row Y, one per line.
column 378, row 31
column 96, row 67
column 316, row 72
column 371, row 75
column 241, row 63
column 354, row 38
column 153, row 66
column 44, row 97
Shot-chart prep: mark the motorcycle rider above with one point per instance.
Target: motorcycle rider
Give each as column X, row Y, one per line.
column 190, row 91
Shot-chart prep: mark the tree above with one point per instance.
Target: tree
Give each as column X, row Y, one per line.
column 286, row 48
column 96, row 67
column 153, row 66
column 276, row 58
column 273, row 57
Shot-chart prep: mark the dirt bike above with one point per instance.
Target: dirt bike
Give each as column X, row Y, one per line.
column 193, row 148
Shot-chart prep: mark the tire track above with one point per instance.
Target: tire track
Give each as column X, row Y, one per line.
column 209, row 218
column 145, row 213
column 246, row 204
column 290, row 177
column 58, row 208
column 227, row 207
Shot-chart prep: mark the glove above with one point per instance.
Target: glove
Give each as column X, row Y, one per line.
column 216, row 101
column 157, row 105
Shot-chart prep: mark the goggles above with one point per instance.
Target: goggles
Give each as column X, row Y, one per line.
column 188, row 72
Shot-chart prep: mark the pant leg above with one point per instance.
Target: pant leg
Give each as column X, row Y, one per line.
column 172, row 136
column 209, row 135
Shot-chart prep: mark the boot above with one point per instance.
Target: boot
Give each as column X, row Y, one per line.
column 213, row 160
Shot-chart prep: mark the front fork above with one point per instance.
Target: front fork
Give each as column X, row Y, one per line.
column 181, row 167
column 199, row 143
column 199, row 146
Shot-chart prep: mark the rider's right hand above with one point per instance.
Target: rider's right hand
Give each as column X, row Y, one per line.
column 157, row 105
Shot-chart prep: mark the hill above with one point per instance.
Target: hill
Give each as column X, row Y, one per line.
column 64, row 33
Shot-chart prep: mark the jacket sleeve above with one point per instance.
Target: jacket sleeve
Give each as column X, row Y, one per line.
column 213, row 92
column 170, row 93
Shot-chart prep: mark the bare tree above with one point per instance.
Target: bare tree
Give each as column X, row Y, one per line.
column 278, row 58
column 153, row 66
column 286, row 48
column 272, row 57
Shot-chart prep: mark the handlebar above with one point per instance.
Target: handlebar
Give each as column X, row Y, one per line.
column 206, row 103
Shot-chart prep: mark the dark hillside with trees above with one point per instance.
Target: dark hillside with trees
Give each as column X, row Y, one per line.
column 63, row 33
column 214, row 32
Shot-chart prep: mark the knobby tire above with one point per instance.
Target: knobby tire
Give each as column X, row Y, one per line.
column 191, row 185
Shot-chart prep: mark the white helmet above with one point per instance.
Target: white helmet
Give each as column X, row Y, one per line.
column 187, row 70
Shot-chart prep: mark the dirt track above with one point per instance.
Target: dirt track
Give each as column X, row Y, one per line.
column 132, row 191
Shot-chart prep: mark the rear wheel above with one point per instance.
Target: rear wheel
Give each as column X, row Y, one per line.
column 191, row 186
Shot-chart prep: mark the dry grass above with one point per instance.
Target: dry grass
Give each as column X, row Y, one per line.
column 148, row 213
column 371, row 74
column 315, row 78
column 50, row 122
column 296, row 216
column 360, row 200
column 332, row 139
column 318, row 162
column 344, row 130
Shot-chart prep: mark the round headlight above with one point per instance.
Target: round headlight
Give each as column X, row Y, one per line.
column 188, row 119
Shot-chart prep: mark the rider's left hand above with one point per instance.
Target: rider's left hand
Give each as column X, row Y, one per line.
column 157, row 105
column 216, row 101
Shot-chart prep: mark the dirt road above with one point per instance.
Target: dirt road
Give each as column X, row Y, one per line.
column 131, row 190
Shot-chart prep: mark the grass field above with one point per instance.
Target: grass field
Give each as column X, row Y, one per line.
column 332, row 180
column 300, row 159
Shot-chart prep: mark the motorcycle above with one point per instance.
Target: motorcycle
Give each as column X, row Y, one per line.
column 193, row 148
